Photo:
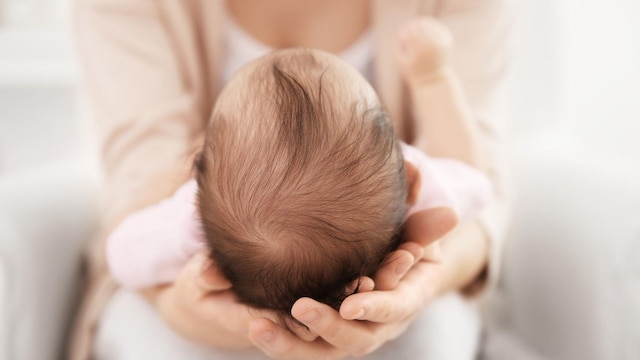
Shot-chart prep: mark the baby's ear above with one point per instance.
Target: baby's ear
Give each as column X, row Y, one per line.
column 195, row 157
column 211, row 277
column 413, row 182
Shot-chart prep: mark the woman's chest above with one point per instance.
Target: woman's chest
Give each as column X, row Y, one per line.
column 329, row 25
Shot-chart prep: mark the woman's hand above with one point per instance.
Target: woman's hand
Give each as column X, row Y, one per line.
column 403, row 286
column 200, row 306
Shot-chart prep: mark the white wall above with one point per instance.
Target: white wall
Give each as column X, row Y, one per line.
column 38, row 98
column 569, row 287
column 601, row 72
column 577, row 69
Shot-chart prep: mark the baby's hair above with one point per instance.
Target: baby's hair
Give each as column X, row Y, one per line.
column 302, row 187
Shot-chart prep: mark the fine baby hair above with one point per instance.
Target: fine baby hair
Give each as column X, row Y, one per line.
column 301, row 181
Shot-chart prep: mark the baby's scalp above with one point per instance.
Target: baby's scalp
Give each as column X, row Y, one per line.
column 301, row 179
column 307, row 64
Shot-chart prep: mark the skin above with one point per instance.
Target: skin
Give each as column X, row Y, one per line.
column 422, row 53
column 437, row 256
column 330, row 25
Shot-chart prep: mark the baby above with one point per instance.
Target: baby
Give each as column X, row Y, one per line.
column 300, row 187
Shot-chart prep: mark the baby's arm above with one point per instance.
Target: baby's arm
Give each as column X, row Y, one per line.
column 152, row 246
column 449, row 183
column 442, row 118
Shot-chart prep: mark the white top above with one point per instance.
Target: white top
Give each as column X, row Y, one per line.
column 242, row 48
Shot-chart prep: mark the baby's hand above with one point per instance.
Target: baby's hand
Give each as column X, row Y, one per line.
column 422, row 50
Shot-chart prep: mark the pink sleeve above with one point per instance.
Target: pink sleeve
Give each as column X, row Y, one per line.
column 450, row 183
column 151, row 246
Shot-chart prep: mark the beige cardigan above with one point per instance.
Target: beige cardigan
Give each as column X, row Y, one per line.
column 151, row 70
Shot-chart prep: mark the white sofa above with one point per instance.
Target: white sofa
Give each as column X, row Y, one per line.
column 46, row 217
column 571, row 280
column 570, row 287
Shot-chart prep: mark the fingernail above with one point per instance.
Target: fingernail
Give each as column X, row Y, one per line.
column 266, row 336
column 359, row 314
column 402, row 268
column 309, row 317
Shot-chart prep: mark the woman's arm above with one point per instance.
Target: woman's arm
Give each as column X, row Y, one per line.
column 146, row 116
column 444, row 126
column 480, row 58
column 147, row 108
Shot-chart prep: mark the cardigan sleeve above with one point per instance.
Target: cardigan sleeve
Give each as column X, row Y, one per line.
column 481, row 32
column 145, row 107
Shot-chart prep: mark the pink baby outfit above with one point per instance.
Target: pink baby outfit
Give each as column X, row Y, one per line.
column 151, row 246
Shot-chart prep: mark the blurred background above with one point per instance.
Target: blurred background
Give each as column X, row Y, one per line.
column 571, row 288
column 38, row 97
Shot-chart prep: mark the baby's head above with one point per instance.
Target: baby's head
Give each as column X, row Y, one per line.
column 302, row 185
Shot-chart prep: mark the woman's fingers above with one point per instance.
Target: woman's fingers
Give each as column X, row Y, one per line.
column 357, row 338
column 278, row 343
column 380, row 306
column 388, row 313
column 300, row 330
column 397, row 265
column 393, row 269
column 433, row 252
column 416, row 250
column 362, row 284
column 203, row 292
column 409, row 297
column 422, row 230
column 366, row 284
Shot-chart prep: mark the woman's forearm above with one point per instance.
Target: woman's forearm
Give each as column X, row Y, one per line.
column 464, row 259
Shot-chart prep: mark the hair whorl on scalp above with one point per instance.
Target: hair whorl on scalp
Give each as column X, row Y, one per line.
column 301, row 185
